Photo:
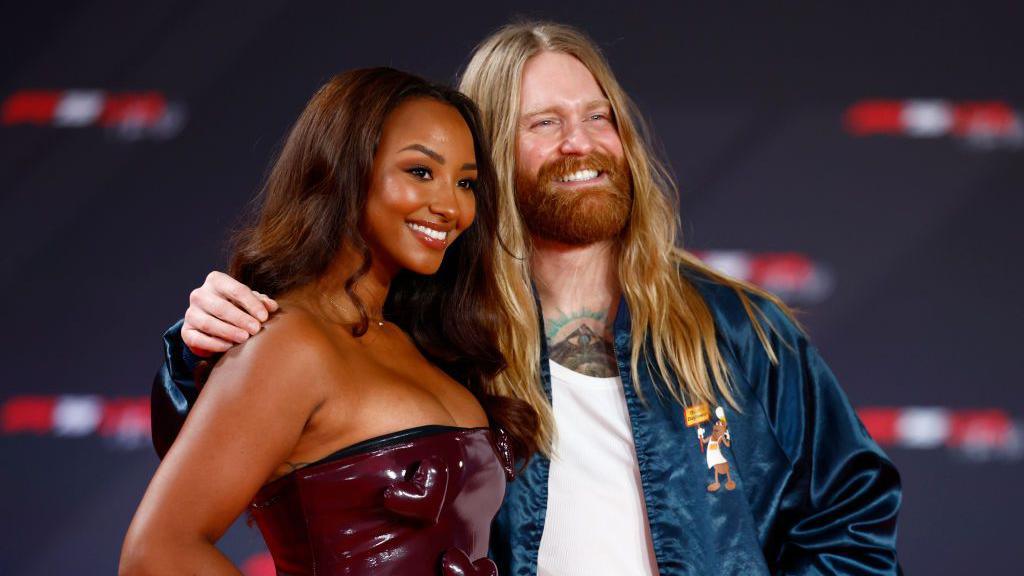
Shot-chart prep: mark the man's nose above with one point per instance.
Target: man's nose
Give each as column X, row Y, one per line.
column 577, row 141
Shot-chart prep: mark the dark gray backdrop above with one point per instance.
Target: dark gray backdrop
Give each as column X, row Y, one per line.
column 108, row 225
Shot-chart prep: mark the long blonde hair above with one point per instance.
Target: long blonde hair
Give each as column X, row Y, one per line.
column 662, row 302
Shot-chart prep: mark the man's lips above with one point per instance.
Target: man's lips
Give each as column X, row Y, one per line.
column 601, row 178
column 583, row 175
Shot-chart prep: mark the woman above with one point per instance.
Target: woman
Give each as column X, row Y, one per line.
column 343, row 425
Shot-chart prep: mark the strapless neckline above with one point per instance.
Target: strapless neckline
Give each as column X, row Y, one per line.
column 385, row 440
column 377, row 443
column 414, row 502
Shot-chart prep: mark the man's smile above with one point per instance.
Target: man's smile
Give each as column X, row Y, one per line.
column 581, row 176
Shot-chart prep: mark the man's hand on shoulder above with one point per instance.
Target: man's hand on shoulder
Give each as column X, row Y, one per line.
column 289, row 356
column 223, row 312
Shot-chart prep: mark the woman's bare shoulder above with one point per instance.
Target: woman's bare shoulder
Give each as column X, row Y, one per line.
column 293, row 346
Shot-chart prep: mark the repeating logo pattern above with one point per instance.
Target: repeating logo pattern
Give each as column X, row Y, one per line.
column 128, row 115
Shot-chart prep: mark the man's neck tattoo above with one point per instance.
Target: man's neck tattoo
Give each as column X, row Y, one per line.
column 582, row 341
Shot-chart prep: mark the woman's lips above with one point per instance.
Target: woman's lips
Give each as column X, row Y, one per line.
column 429, row 234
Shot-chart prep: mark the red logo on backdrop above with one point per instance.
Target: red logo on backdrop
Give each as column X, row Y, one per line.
column 128, row 115
column 983, row 123
column 983, row 434
column 980, row 434
column 791, row 276
column 123, row 420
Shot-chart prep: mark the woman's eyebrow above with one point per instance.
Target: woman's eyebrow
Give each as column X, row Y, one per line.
column 469, row 166
column 425, row 150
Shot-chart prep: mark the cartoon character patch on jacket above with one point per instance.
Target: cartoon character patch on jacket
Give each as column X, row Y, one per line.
column 716, row 460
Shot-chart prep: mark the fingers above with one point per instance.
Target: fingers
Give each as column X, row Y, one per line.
column 219, row 297
column 208, row 312
column 223, row 312
column 211, row 325
column 202, row 345
column 269, row 302
column 240, row 294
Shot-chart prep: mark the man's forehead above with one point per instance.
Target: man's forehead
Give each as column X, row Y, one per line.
column 555, row 79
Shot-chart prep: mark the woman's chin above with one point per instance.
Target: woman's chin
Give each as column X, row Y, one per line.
column 425, row 267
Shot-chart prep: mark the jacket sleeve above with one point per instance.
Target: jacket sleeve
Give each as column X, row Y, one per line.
column 839, row 506
column 174, row 389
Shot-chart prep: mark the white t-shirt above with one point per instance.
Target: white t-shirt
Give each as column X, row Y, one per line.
column 596, row 519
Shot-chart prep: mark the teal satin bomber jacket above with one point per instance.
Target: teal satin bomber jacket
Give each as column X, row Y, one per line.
column 813, row 492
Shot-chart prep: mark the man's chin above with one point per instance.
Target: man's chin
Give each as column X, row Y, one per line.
column 575, row 229
column 577, row 213
column 567, row 241
column 581, row 197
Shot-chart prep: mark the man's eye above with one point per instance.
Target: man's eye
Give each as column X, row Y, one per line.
column 599, row 117
column 420, row 172
column 543, row 123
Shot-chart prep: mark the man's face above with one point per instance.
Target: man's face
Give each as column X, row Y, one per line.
column 572, row 181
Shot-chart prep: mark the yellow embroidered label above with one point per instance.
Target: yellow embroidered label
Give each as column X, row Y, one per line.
column 696, row 414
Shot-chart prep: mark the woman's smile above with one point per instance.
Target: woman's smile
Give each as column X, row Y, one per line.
column 432, row 235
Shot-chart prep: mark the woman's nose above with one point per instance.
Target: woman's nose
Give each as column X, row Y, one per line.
column 445, row 202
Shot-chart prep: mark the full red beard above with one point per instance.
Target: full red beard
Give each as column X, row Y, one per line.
column 576, row 215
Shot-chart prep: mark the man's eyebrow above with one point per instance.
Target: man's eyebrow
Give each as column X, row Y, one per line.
column 425, row 150
column 539, row 111
column 599, row 102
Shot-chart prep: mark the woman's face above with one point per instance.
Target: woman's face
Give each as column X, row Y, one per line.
column 421, row 193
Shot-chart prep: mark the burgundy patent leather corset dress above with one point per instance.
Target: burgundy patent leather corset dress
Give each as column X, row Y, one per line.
column 415, row 502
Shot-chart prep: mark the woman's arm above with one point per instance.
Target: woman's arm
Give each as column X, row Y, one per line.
column 221, row 313
column 244, row 425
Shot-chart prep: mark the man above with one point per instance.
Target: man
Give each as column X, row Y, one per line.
column 698, row 432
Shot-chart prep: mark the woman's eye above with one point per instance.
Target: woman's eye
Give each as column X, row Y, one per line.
column 420, row 172
column 468, row 184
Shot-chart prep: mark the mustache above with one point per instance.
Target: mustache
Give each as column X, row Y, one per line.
column 559, row 167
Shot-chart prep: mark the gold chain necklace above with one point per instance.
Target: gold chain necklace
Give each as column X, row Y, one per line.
column 378, row 321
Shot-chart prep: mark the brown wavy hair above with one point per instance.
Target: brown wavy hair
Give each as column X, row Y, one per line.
column 312, row 204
